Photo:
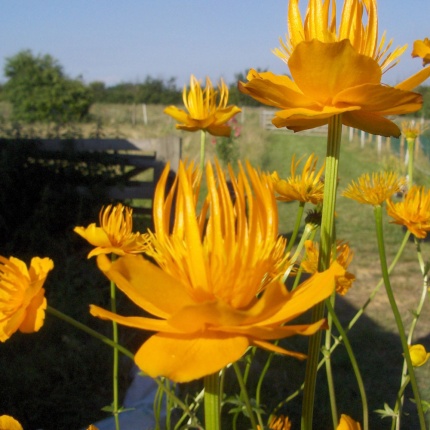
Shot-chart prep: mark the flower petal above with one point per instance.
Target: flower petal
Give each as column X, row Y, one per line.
column 415, row 80
column 382, row 99
column 184, row 358
column 141, row 323
column 274, row 90
column 145, row 284
column 35, row 314
column 94, row 235
column 371, row 123
column 322, row 70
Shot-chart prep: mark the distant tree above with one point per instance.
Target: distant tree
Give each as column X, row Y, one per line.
column 150, row 91
column 425, row 111
column 39, row 90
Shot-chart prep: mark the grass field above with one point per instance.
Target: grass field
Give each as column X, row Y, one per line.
column 374, row 336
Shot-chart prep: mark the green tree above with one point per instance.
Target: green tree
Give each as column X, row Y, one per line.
column 39, row 90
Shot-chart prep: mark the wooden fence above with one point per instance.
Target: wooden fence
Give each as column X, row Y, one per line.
column 134, row 157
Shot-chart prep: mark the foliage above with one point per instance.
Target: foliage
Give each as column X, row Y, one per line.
column 150, row 91
column 425, row 111
column 40, row 91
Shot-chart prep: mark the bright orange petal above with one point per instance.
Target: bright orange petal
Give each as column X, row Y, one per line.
column 414, row 81
column 141, row 323
column 182, row 358
column 322, row 70
column 219, row 130
column 275, row 90
column 94, row 235
column 380, row 99
column 35, row 313
column 9, row 423
column 371, row 123
column 145, row 284
column 317, row 288
column 275, row 332
column 178, row 114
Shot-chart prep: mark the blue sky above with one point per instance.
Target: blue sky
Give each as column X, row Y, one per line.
column 125, row 41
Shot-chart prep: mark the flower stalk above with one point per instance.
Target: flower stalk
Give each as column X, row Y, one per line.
column 397, row 316
column 212, row 402
column 411, row 145
column 60, row 315
column 327, row 240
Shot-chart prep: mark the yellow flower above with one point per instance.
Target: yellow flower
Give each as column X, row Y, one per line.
column 376, row 189
column 422, row 49
column 419, row 355
column 217, row 289
column 347, row 423
column 343, row 257
column 413, row 211
column 22, row 298
column 335, row 72
column 203, row 112
column 278, row 423
column 412, row 129
column 307, row 187
column 9, row 423
column 115, row 233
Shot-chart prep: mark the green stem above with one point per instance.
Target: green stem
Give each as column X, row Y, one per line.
column 328, row 366
column 202, row 150
column 309, row 230
column 89, row 331
column 296, row 228
column 399, row 402
column 411, row 144
column 115, row 403
column 245, row 397
column 326, row 241
column 396, row 313
column 354, row 364
column 414, row 322
column 356, row 317
column 212, row 402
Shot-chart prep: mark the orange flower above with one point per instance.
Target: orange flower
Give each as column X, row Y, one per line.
column 347, row 423
column 413, row 211
column 218, row 287
column 374, row 191
column 335, row 72
column 9, row 423
column 22, row 298
column 278, row 423
column 343, row 257
column 307, row 187
column 422, row 49
column 115, row 233
column 203, row 112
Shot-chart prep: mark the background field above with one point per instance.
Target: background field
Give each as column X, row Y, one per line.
column 61, row 369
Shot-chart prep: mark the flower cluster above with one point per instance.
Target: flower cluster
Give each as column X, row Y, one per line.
column 22, row 296
column 376, row 189
column 343, row 256
column 305, row 187
column 204, row 109
column 221, row 277
column 115, row 234
column 335, row 71
column 413, row 211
